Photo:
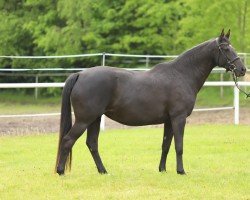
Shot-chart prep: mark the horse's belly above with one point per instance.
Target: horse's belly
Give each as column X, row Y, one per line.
column 136, row 118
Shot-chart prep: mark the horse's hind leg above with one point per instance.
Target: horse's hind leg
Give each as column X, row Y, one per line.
column 92, row 143
column 167, row 138
column 67, row 143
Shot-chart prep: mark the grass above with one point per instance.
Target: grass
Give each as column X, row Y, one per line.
column 27, row 104
column 210, row 97
column 216, row 159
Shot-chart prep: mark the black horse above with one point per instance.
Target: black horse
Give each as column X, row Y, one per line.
column 165, row 94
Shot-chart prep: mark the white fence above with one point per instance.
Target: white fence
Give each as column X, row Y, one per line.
column 103, row 56
column 236, row 106
column 103, row 60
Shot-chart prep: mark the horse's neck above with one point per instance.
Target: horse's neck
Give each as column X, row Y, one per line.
column 196, row 65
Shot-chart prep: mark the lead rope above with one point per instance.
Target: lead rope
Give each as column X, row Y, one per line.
column 236, row 84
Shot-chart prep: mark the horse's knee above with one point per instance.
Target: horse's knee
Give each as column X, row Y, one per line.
column 165, row 146
column 179, row 151
column 165, row 149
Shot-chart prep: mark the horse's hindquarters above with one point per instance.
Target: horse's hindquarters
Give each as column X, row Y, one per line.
column 91, row 94
column 126, row 97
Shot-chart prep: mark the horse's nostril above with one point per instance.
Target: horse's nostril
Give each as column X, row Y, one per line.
column 243, row 71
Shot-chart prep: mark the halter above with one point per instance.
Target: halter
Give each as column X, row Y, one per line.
column 230, row 63
column 231, row 66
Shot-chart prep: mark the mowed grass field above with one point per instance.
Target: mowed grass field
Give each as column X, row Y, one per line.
column 216, row 159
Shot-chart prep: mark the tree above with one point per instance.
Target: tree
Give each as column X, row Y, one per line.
column 58, row 27
column 205, row 19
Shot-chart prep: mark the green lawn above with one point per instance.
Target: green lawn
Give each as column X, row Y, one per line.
column 210, row 97
column 216, row 159
column 19, row 103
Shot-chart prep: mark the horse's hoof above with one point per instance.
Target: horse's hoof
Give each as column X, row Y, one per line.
column 60, row 172
column 182, row 172
column 102, row 171
column 162, row 169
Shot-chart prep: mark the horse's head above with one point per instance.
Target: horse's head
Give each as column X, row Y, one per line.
column 227, row 56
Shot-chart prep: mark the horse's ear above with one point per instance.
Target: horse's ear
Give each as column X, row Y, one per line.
column 228, row 34
column 221, row 35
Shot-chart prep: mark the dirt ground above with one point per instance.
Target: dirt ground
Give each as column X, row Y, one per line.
column 40, row 125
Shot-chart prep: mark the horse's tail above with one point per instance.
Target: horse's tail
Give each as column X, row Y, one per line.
column 66, row 118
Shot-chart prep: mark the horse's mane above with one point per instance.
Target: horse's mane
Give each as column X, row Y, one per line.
column 194, row 51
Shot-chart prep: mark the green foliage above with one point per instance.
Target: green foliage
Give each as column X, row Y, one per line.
column 204, row 19
column 59, row 27
column 152, row 27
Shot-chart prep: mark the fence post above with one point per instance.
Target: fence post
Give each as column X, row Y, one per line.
column 236, row 106
column 147, row 62
column 103, row 58
column 245, row 64
column 36, row 89
column 221, row 87
column 102, row 126
column 102, row 123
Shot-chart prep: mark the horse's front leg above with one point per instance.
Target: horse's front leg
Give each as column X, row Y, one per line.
column 178, row 125
column 167, row 138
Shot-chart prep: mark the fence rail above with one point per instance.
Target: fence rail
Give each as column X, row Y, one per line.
column 45, row 85
column 103, row 56
column 236, row 106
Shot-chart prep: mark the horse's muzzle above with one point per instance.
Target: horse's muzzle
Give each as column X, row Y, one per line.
column 241, row 71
